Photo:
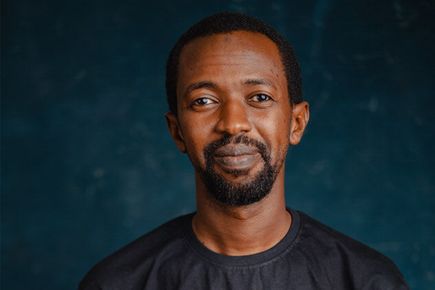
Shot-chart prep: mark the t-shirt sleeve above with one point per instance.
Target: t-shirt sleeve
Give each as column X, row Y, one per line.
column 383, row 282
column 89, row 284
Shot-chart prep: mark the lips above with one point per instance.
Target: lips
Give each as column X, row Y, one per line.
column 236, row 157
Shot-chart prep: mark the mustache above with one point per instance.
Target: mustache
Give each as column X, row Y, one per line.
column 211, row 148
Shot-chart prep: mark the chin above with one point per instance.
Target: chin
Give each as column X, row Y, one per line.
column 239, row 190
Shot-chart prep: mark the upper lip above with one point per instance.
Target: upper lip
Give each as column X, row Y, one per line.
column 235, row 150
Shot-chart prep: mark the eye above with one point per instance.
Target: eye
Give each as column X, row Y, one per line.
column 204, row 101
column 260, row 98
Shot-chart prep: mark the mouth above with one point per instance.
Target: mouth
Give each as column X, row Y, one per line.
column 237, row 157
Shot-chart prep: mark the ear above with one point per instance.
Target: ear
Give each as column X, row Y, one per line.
column 300, row 117
column 175, row 131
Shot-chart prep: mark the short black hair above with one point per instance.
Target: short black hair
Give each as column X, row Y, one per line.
column 225, row 22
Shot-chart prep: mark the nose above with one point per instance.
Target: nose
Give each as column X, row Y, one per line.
column 233, row 119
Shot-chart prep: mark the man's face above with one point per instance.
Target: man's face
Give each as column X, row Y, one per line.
column 234, row 114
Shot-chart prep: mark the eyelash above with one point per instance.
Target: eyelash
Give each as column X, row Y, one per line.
column 200, row 101
column 268, row 98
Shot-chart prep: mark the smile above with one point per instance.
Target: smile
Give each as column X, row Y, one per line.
column 236, row 157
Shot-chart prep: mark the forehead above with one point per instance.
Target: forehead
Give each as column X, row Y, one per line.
column 233, row 41
column 230, row 55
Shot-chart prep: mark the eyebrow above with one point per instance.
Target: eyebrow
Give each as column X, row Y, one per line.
column 212, row 85
column 200, row 85
column 255, row 82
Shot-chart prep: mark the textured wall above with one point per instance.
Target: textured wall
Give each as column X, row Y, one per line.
column 87, row 164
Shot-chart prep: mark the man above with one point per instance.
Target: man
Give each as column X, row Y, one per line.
column 234, row 93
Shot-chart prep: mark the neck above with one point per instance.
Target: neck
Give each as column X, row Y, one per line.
column 242, row 230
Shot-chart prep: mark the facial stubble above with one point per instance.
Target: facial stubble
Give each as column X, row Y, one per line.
column 239, row 194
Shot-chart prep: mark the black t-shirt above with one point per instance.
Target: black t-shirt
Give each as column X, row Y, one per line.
column 310, row 256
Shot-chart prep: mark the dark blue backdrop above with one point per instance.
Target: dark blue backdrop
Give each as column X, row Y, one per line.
column 87, row 164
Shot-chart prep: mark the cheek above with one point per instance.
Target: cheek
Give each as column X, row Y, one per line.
column 196, row 138
column 281, row 142
column 278, row 136
column 285, row 132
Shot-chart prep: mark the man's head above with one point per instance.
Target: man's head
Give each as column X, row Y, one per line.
column 228, row 22
column 234, row 112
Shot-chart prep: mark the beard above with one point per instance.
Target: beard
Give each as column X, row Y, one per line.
column 239, row 194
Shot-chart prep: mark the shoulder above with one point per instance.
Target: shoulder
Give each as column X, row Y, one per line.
column 342, row 257
column 137, row 257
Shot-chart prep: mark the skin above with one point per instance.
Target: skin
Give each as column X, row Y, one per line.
column 234, row 84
